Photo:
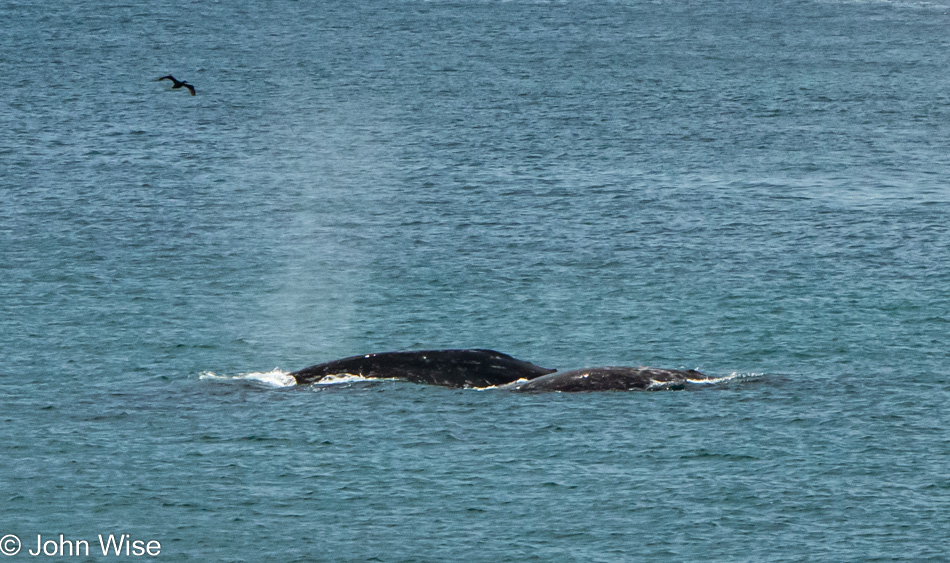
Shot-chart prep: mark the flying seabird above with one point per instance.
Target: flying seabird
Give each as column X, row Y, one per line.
column 178, row 83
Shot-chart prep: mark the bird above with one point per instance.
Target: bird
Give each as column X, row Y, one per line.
column 178, row 83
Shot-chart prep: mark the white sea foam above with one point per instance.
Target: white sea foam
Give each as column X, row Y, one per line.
column 510, row 385
column 340, row 378
column 734, row 376
column 731, row 377
column 280, row 378
column 273, row 378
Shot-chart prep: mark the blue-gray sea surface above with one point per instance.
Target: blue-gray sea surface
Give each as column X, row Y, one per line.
column 759, row 190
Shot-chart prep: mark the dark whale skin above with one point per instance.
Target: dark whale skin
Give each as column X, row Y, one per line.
column 448, row 368
column 611, row 379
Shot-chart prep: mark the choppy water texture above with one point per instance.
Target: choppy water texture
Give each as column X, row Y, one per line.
column 739, row 187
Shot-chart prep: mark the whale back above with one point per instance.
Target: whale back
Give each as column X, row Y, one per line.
column 448, row 368
column 612, row 379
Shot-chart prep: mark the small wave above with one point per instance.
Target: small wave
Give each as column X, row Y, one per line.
column 734, row 376
column 273, row 378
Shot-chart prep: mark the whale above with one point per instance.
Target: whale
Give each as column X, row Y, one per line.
column 447, row 368
column 611, row 378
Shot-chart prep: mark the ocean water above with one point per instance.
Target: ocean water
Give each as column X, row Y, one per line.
column 758, row 190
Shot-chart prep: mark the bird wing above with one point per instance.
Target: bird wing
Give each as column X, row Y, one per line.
column 190, row 89
column 166, row 77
